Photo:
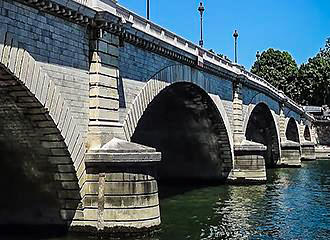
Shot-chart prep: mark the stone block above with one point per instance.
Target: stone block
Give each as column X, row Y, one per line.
column 67, row 177
column 2, row 40
column 6, row 50
column 105, row 70
column 78, row 158
column 103, row 114
column 63, row 116
column 19, row 62
column 30, row 70
column 25, row 66
column 105, row 103
column 50, row 95
column 103, row 91
column 35, row 78
column 13, row 55
column 133, row 214
column 100, row 80
column 66, row 125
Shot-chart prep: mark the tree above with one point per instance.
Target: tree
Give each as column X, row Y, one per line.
column 279, row 69
column 314, row 78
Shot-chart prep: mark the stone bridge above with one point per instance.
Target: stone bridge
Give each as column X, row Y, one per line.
column 98, row 104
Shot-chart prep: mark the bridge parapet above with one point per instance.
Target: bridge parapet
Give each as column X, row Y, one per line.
column 114, row 190
column 132, row 22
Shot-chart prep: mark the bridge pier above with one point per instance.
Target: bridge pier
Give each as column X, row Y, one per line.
column 308, row 151
column 72, row 110
column 290, row 154
column 120, row 191
column 249, row 163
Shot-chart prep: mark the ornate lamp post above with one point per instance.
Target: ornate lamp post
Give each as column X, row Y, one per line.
column 148, row 9
column 201, row 10
column 235, row 35
column 258, row 56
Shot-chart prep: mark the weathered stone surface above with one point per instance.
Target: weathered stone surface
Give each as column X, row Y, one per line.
column 69, row 90
column 249, row 163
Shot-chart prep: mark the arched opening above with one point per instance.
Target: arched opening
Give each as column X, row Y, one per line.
column 307, row 134
column 183, row 123
column 261, row 128
column 38, row 183
column 292, row 132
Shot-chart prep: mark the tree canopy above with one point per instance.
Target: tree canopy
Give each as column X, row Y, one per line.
column 278, row 68
column 307, row 85
column 314, row 79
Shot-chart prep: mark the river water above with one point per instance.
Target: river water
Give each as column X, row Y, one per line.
column 293, row 204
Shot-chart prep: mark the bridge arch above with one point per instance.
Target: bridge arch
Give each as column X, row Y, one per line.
column 176, row 118
column 307, row 133
column 261, row 127
column 292, row 130
column 40, row 142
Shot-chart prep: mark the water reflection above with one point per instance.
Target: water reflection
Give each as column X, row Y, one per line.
column 294, row 204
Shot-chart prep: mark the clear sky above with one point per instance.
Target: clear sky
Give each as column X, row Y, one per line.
column 297, row 26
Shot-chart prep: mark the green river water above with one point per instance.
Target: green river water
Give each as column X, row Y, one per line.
column 293, row 204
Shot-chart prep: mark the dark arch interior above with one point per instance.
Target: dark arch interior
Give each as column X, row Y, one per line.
column 261, row 128
column 307, row 134
column 291, row 132
column 183, row 123
column 29, row 192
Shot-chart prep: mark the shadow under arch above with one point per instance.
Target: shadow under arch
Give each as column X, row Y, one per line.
column 292, row 132
column 261, row 128
column 38, row 181
column 307, row 133
column 184, row 124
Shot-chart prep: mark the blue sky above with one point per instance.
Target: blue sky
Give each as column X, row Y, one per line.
column 297, row 26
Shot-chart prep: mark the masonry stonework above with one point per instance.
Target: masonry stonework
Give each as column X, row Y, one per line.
column 76, row 81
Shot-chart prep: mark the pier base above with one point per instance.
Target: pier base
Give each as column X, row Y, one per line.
column 120, row 192
column 290, row 154
column 249, row 163
column 308, row 151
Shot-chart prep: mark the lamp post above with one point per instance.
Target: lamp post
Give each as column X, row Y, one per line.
column 148, row 9
column 201, row 10
column 258, row 57
column 235, row 35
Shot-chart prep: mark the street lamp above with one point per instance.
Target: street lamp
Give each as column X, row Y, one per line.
column 258, row 55
column 235, row 35
column 148, row 9
column 201, row 10
column 258, row 63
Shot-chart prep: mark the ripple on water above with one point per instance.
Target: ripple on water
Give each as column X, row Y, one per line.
column 294, row 204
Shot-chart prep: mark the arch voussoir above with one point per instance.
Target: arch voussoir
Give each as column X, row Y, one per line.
column 33, row 92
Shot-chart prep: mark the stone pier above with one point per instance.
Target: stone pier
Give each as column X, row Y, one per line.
column 92, row 95
column 120, row 192
column 308, row 151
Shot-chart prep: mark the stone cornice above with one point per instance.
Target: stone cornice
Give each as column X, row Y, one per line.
column 122, row 25
column 69, row 10
column 228, row 69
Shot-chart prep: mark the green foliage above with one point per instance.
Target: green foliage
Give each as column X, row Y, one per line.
column 278, row 68
column 314, row 79
column 310, row 85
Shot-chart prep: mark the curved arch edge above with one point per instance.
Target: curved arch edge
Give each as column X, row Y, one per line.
column 26, row 76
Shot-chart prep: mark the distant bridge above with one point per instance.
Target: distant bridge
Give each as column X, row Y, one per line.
column 97, row 104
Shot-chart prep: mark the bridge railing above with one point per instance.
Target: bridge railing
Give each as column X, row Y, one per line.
column 173, row 39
